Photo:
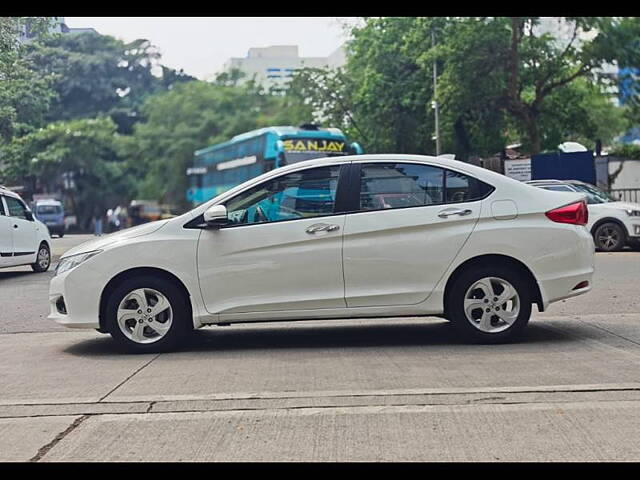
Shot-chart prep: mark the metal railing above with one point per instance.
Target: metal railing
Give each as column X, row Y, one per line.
column 626, row 194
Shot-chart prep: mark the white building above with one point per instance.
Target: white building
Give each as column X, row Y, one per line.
column 274, row 66
column 56, row 25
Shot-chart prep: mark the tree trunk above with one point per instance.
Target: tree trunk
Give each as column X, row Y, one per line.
column 533, row 132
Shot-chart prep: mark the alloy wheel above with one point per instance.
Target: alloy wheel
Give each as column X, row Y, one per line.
column 491, row 304
column 144, row 315
column 608, row 238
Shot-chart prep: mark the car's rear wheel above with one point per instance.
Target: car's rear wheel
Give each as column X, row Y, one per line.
column 43, row 260
column 490, row 304
column 147, row 314
column 609, row 237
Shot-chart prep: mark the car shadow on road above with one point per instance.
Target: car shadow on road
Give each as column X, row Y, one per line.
column 218, row 339
column 7, row 275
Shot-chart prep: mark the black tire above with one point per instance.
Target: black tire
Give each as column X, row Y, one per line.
column 609, row 237
column 181, row 323
column 38, row 267
column 61, row 234
column 456, row 299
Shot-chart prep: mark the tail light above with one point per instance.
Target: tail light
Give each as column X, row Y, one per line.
column 576, row 214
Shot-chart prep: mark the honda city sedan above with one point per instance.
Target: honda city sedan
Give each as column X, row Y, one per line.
column 370, row 236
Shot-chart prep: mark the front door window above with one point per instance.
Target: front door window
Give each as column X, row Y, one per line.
column 305, row 194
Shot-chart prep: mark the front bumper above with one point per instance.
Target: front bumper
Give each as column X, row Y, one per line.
column 81, row 302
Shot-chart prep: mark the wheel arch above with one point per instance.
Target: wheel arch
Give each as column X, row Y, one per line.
column 493, row 259
column 602, row 221
column 134, row 272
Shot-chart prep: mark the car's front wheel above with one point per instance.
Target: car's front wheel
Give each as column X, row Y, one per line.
column 490, row 304
column 147, row 314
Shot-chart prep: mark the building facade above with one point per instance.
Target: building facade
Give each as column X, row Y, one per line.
column 56, row 25
column 273, row 66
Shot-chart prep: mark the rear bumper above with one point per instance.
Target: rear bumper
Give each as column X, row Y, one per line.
column 567, row 269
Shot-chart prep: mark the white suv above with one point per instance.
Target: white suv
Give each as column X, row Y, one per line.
column 613, row 224
column 24, row 240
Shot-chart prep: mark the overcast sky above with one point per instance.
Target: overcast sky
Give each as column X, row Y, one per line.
column 201, row 45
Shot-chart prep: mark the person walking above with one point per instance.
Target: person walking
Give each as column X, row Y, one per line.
column 97, row 221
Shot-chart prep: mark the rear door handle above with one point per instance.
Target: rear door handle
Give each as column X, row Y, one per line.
column 322, row 227
column 460, row 211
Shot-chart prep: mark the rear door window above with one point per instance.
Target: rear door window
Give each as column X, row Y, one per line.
column 402, row 185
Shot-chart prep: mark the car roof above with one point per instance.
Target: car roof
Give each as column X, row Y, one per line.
column 9, row 193
column 48, row 201
column 555, row 182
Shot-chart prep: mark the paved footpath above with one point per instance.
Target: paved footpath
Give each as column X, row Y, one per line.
column 357, row 390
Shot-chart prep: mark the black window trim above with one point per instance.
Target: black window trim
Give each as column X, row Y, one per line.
column 340, row 202
column 355, row 184
column 24, row 206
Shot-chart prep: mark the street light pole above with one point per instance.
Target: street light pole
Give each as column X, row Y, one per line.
column 435, row 92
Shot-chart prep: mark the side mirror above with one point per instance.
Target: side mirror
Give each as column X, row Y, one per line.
column 29, row 215
column 356, row 148
column 216, row 216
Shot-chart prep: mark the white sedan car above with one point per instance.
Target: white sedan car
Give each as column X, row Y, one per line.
column 24, row 240
column 342, row 237
column 613, row 224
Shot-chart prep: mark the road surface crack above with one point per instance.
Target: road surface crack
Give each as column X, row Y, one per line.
column 45, row 449
column 129, row 378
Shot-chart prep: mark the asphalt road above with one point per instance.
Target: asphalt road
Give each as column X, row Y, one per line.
column 356, row 390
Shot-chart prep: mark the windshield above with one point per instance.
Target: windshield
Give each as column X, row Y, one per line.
column 594, row 194
column 48, row 209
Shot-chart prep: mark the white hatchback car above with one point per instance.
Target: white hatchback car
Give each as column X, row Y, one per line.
column 342, row 237
column 24, row 240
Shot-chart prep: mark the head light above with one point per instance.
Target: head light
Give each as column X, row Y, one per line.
column 632, row 213
column 73, row 261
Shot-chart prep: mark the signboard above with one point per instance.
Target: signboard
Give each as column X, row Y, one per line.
column 196, row 170
column 518, row 169
column 310, row 145
column 237, row 162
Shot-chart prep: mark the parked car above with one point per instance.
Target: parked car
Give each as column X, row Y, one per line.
column 24, row 240
column 312, row 240
column 613, row 224
column 51, row 212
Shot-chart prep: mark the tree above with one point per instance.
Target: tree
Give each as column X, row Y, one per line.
column 500, row 80
column 97, row 74
column 191, row 116
column 530, row 70
column 78, row 158
column 25, row 95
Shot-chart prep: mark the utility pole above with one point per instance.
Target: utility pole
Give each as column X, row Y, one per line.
column 434, row 103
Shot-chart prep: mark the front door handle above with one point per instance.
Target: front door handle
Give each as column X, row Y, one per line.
column 460, row 211
column 322, row 227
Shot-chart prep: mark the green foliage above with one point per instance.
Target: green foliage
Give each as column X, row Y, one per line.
column 191, row 116
column 97, row 74
column 626, row 151
column 499, row 81
column 25, row 95
column 83, row 151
